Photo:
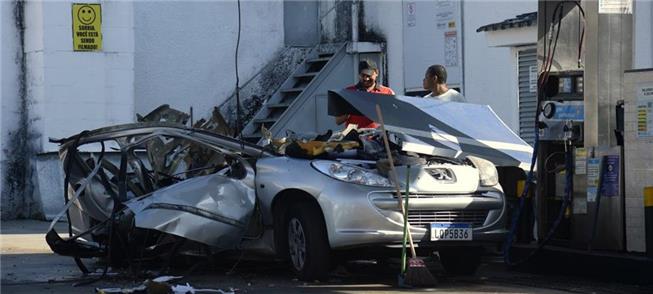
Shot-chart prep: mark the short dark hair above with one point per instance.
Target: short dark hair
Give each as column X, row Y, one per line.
column 367, row 64
column 439, row 71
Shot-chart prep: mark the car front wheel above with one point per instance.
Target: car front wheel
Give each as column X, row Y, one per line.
column 308, row 246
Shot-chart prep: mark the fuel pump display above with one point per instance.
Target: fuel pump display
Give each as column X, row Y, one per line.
column 563, row 115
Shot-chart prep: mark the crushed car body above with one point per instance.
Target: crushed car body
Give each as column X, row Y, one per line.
column 158, row 187
column 190, row 184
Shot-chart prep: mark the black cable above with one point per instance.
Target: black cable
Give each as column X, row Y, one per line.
column 566, row 200
column 581, row 36
column 542, row 80
column 547, row 69
column 546, row 162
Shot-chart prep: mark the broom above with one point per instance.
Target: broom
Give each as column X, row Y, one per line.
column 416, row 274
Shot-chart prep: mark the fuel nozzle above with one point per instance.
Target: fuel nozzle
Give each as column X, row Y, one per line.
column 568, row 130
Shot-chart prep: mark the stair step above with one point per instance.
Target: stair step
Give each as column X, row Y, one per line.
column 292, row 90
column 307, row 75
column 265, row 120
column 320, row 59
column 279, row 105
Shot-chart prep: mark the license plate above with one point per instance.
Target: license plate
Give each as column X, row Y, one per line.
column 451, row 232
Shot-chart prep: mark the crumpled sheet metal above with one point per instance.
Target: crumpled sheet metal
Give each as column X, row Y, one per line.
column 211, row 209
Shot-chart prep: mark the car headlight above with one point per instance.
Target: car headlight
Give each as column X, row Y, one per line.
column 487, row 171
column 350, row 174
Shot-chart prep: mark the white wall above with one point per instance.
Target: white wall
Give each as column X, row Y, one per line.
column 386, row 18
column 185, row 50
column 490, row 73
column 68, row 92
column 643, row 38
column 9, row 90
column 72, row 91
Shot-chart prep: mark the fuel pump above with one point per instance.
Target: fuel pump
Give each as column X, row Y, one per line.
column 561, row 138
column 579, row 135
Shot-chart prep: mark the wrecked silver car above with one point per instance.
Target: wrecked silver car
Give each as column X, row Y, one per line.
column 152, row 189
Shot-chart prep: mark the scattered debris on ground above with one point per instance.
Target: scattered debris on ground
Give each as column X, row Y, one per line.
column 161, row 285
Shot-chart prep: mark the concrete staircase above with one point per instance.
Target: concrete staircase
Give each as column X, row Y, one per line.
column 300, row 103
column 311, row 78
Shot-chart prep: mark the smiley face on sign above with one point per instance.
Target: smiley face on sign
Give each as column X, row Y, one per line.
column 86, row 15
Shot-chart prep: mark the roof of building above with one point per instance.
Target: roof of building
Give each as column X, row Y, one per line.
column 522, row 20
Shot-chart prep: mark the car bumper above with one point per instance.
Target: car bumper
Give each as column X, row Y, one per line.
column 359, row 216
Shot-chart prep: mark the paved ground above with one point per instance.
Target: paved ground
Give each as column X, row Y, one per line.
column 28, row 266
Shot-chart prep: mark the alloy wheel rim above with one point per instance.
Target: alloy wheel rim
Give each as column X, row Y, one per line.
column 296, row 243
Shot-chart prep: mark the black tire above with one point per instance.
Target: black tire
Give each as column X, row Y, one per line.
column 306, row 242
column 461, row 261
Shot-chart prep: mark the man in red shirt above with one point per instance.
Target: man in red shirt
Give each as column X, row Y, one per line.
column 367, row 74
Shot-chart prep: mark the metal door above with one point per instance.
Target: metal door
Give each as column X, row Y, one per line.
column 527, row 59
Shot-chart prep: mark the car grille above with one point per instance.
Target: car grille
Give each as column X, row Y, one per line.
column 417, row 196
column 425, row 217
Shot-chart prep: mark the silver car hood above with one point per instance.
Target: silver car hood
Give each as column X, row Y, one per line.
column 442, row 128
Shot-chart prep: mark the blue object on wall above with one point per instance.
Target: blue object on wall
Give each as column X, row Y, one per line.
column 610, row 177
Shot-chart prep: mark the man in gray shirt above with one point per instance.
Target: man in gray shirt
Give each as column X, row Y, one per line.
column 435, row 79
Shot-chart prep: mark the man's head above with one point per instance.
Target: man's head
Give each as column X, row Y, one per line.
column 435, row 74
column 367, row 73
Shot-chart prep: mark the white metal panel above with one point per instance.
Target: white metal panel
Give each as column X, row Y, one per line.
column 432, row 35
column 527, row 93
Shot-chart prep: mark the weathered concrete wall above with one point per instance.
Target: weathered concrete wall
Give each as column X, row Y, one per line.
column 383, row 22
column 185, row 50
column 260, row 87
column 72, row 91
column 51, row 91
column 184, row 57
column 14, row 167
column 335, row 20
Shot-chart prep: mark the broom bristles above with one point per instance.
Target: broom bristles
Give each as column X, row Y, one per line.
column 418, row 275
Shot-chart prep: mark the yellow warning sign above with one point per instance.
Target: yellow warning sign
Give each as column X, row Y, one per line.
column 87, row 27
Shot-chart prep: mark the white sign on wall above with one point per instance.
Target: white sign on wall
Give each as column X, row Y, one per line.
column 450, row 49
column 412, row 16
column 615, row 6
column 644, row 110
column 593, row 173
column 434, row 39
